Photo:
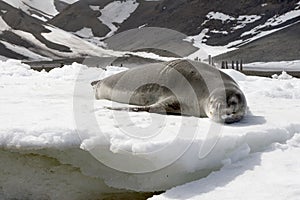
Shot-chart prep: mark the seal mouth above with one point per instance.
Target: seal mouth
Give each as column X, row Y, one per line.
column 232, row 118
column 227, row 116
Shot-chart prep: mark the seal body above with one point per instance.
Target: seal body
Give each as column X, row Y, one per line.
column 178, row 87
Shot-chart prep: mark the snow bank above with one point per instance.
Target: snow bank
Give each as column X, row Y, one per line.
column 293, row 65
column 272, row 174
column 282, row 76
column 46, row 140
column 15, row 68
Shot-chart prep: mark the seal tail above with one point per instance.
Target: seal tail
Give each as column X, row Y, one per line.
column 95, row 82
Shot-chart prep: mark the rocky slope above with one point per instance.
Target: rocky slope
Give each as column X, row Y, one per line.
column 280, row 46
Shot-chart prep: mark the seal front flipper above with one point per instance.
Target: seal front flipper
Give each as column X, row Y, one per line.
column 132, row 109
column 169, row 105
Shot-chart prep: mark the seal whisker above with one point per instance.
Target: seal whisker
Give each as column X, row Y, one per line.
column 219, row 108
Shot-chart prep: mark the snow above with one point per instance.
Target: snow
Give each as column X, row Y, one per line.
column 23, row 51
column 219, row 16
column 260, row 34
column 78, row 46
column 293, row 65
column 221, row 32
column 46, row 7
column 88, row 35
column 2, row 58
column 204, row 49
column 39, row 17
column 142, row 26
column 264, row 4
column 298, row 5
column 152, row 56
column 117, row 12
column 246, row 19
column 243, row 20
column 85, row 33
column 3, row 25
column 95, row 8
column 90, row 47
column 283, row 76
column 69, row 1
column 52, row 115
column 272, row 174
column 274, row 21
column 31, row 39
column 199, row 40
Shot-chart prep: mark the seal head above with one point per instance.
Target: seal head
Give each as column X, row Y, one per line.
column 226, row 105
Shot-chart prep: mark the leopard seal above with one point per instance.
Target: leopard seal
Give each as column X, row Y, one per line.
column 180, row 87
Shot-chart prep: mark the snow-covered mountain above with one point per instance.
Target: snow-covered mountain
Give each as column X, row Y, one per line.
column 25, row 37
column 101, row 18
column 215, row 27
column 43, row 10
column 225, row 20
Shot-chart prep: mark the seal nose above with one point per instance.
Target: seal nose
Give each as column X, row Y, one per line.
column 232, row 107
